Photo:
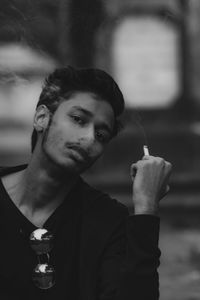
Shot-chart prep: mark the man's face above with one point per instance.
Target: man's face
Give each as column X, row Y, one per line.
column 80, row 129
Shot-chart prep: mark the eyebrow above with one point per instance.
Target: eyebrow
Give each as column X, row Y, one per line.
column 90, row 114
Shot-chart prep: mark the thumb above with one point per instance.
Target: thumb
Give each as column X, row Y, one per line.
column 133, row 170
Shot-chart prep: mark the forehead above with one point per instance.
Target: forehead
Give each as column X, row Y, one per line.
column 99, row 108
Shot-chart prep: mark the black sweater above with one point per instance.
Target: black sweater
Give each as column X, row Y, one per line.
column 99, row 252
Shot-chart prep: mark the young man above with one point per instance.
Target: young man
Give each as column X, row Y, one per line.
column 61, row 238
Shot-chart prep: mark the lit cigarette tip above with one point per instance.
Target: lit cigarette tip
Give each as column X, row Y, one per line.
column 146, row 150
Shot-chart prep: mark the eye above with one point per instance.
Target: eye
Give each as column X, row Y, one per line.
column 102, row 136
column 77, row 119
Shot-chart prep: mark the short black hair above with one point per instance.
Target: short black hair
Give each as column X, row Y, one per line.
column 61, row 84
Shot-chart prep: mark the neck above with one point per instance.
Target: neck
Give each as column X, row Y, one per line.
column 45, row 184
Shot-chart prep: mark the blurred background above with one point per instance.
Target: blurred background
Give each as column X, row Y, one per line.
column 152, row 49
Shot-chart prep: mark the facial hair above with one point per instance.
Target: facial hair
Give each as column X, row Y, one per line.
column 44, row 143
column 51, row 159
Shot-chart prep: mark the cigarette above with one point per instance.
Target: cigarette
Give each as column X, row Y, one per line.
column 146, row 150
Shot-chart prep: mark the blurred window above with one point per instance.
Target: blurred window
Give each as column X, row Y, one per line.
column 146, row 61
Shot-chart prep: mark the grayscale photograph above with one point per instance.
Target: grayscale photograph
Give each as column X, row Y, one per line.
column 100, row 150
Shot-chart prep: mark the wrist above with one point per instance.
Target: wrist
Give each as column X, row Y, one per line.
column 146, row 210
column 145, row 204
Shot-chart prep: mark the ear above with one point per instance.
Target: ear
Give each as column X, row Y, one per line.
column 41, row 118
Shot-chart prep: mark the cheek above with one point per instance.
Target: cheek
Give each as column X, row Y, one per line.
column 96, row 151
column 54, row 138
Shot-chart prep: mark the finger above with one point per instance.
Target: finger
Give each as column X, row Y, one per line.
column 147, row 157
column 168, row 167
column 133, row 170
column 156, row 159
column 156, row 162
column 166, row 191
column 167, row 172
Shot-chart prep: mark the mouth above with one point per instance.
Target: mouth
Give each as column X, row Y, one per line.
column 78, row 153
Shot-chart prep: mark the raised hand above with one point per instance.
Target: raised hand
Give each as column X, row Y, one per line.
column 150, row 177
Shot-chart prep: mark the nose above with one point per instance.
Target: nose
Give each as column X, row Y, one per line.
column 88, row 136
column 88, row 142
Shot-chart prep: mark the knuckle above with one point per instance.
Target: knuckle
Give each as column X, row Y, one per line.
column 160, row 161
column 132, row 167
column 168, row 166
column 140, row 163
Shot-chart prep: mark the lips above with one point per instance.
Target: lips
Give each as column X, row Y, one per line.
column 78, row 153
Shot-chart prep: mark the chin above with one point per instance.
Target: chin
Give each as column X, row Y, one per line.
column 70, row 166
column 66, row 163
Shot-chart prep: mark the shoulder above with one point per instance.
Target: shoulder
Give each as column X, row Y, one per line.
column 9, row 170
column 9, row 176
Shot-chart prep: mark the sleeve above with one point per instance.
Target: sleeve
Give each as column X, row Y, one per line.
column 129, row 264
